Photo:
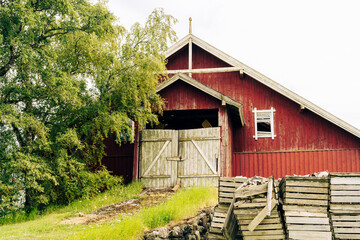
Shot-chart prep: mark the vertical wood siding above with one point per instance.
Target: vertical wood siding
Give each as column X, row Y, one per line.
column 119, row 159
column 294, row 130
column 302, row 138
column 279, row 164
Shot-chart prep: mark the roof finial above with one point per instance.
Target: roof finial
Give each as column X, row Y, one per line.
column 190, row 30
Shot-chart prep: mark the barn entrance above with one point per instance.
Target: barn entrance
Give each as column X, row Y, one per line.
column 188, row 119
column 187, row 156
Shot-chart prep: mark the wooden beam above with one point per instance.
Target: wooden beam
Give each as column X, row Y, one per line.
column 269, row 196
column 260, row 217
column 190, row 56
column 205, row 70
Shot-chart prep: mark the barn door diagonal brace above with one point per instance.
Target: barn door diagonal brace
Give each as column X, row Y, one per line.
column 156, row 158
column 203, row 156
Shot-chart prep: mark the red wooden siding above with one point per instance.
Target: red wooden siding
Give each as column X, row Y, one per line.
column 119, row 159
column 279, row 164
column 182, row 96
column 294, row 130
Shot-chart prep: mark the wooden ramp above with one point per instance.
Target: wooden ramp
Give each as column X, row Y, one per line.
column 305, row 207
column 345, row 205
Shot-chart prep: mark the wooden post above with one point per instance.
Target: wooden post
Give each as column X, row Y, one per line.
column 269, row 196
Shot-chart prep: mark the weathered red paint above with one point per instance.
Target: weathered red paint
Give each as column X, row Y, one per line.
column 296, row 131
column 279, row 164
column 182, row 96
column 119, row 159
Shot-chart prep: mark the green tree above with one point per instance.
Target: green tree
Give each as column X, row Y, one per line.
column 69, row 77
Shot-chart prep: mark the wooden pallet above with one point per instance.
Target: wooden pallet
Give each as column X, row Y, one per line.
column 305, row 207
column 249, row 209
column 217, row 222
column 227, row 186
column 345, row 205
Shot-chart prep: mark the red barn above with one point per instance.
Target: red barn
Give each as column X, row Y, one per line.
column 223, row 118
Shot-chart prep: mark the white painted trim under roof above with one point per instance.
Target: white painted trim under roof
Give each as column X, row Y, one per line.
column 264, row 80
column 208, row 90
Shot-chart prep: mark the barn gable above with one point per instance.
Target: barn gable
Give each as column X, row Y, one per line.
column 237, row 66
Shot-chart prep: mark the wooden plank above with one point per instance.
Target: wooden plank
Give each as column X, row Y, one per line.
column 306, row 202
column 230, row 184
column 305, row 190
column 277, row 237
column 230, row 224
column 345, row 180
column 340, row 187
column 265, row 221
column 345, row 174
column 343, row 199
column 345, row 193
column 226, row 189
column 347, row 230
column 346, row 224
column 156, row 158
column 219, row 214
column 316, row 209
column 306, row 196
column 313, row 235
column 225, row 200
column 204, row 156
column 262, row 232
column 304, row 214
column 260, row 217
column 298, row 227
column 345, row 218
column 251, row 191
column 344, row 207
column 313, row 184
column 224, row 194
column 250, row 205
column 347, row 236
column 306, row 220
column 269, row 196
column 264, row 226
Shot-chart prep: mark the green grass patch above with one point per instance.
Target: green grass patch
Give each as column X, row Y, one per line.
column 183, row 204
column 46, row 225
column 114, row 195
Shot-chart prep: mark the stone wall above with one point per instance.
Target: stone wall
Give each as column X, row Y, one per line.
column 195, row 228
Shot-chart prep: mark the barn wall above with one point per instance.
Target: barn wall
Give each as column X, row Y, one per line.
column 304, row 141
column 279, row 164
column 294, row 130
column 182, row 96
column 119, row 159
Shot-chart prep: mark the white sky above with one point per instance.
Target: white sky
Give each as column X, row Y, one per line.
column 310, row 47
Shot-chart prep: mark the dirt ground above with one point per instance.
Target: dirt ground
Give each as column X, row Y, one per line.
column 147, row 198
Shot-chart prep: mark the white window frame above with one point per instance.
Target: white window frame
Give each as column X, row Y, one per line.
column 256, row 121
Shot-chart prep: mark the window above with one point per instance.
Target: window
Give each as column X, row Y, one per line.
column 264, row 123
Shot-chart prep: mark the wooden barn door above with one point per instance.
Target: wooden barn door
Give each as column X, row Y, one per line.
column 200, row 153
column 157, row 148
column 188, row 157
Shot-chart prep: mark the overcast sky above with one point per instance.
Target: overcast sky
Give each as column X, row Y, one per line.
column 310, row 47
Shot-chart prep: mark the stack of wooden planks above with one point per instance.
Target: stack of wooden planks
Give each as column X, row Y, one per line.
column 227, row 187
column 345, row 205
column 305, row 202
column 255, row 208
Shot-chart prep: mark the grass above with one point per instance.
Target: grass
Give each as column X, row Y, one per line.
column 46, row 226
column 183, row 204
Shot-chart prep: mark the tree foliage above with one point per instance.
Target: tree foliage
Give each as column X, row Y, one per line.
column 69, row 77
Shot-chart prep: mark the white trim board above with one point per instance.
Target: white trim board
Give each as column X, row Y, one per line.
column 264, row 80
